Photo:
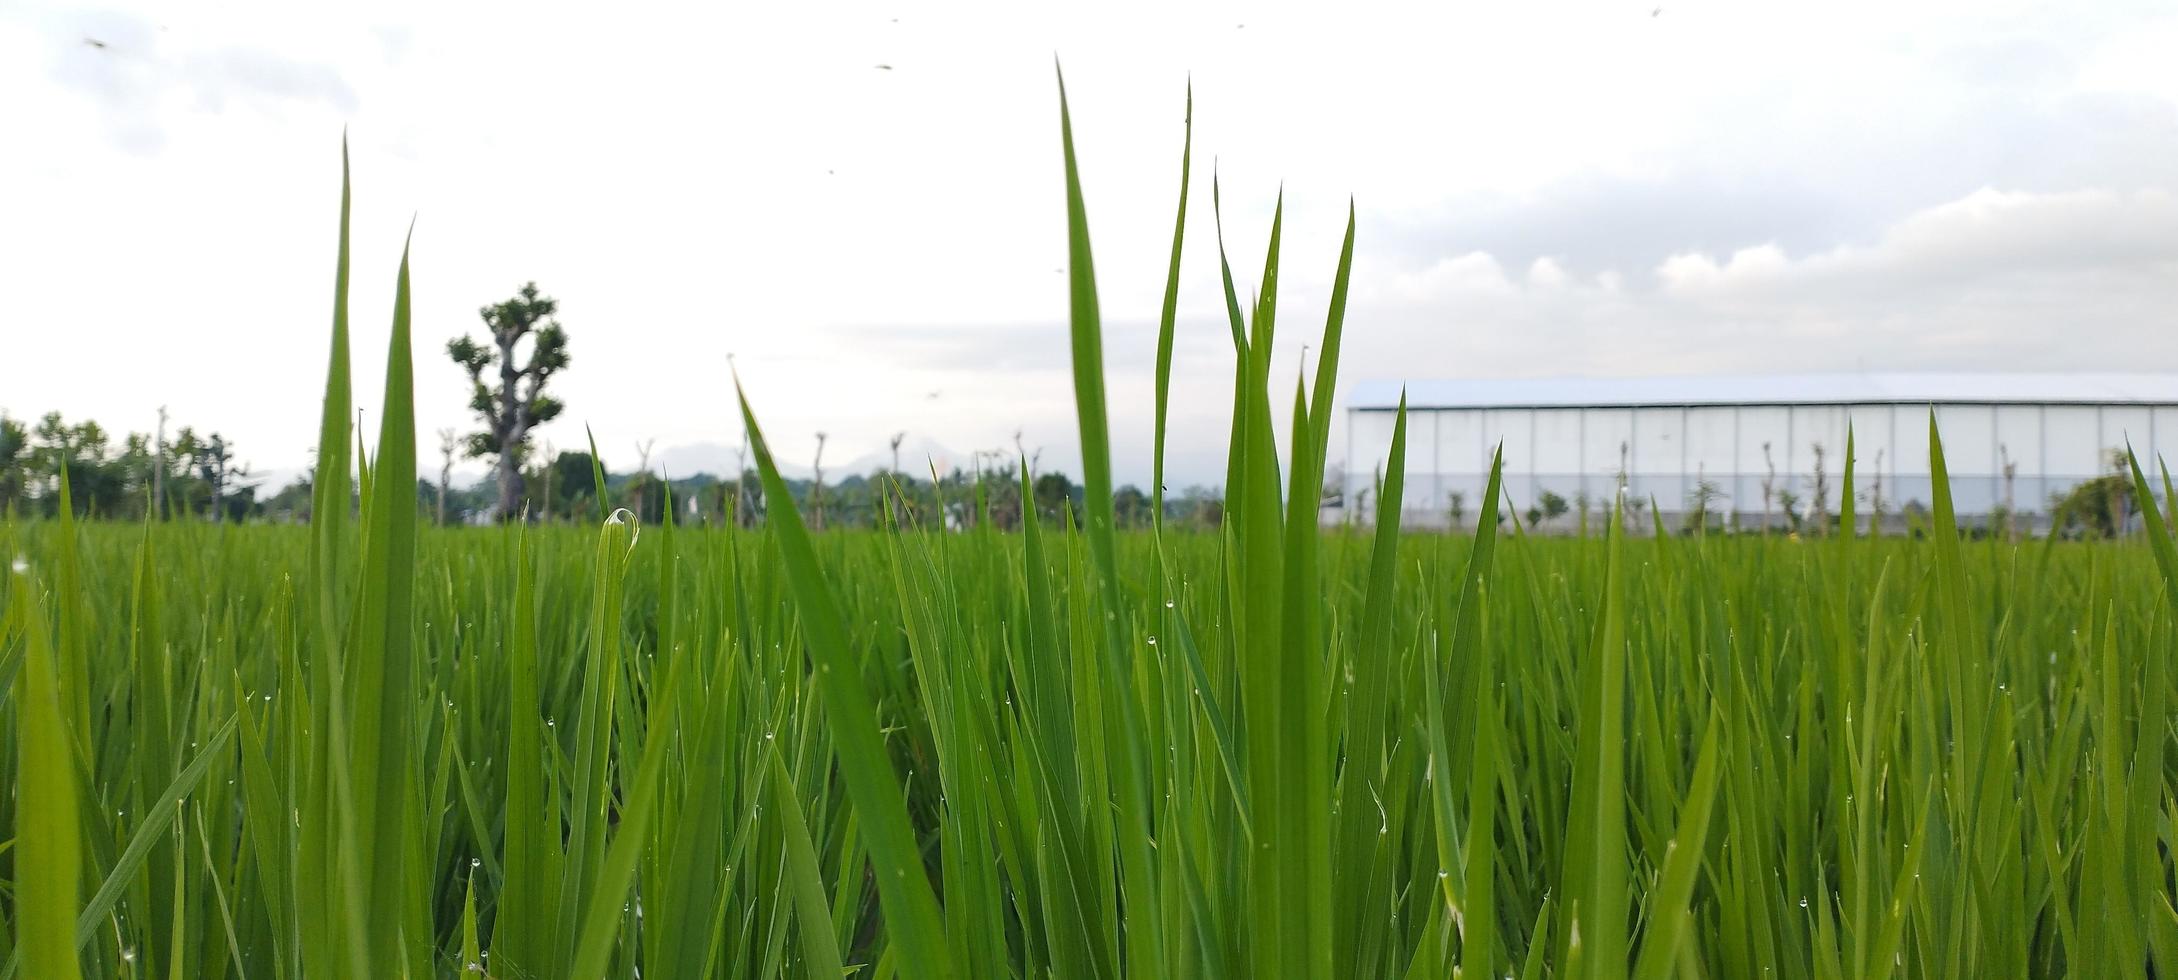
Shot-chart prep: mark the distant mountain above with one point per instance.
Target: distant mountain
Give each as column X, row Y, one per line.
column 916, row 457
column 726, row 460
column 715, row 458
column 720, row 459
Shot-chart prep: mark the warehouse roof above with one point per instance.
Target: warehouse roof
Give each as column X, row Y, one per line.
column 1858, row 388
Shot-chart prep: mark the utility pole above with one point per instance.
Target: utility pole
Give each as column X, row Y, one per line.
column 446, row 469
column 158, row 470
column 741, row 483
column 640, row 485
column 817, row 473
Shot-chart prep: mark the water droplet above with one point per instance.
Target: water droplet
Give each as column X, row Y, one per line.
column 1168, row 603
column 1803, row 902
column 1153, row 641
column 476, row 862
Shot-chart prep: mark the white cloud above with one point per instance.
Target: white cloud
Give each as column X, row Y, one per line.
column 1987, row 240
column 1472, row 274
column 2076, row 280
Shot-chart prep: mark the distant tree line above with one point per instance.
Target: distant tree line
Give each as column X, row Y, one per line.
column 192, row 475
column 197, row 476
column 565, row 490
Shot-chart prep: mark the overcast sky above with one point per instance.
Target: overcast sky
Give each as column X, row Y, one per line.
column 1542, row 189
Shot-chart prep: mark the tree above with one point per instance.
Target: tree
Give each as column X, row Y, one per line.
column 1705, row 492
column 214, row 463
column 1202, row 506
column 1788, row 502
column 2098, row 508
column 518, row 404
column 1055, row 495
column 292, row 503
column 95, row 483
column 1554, row 506
column 14, row 460
column 1130, row 506
column 571, row 481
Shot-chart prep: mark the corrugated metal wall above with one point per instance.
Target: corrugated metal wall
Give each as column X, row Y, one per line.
column 1669, row 453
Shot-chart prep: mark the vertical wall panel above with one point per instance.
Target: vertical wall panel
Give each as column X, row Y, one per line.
column 1759, row 426
column 1608, row 430
column 1969, row 434
column 1659, row 456
column 1816, row 426
column 2073, row 444
column 2166, row 443
column 1516, row 426
column 2123, row 423
column 2019, row 445
column 1466, row 464
column 1872, row 452
column 1372, row 437
column 1711, row 438
column 1969, row 438
column 1557, row 460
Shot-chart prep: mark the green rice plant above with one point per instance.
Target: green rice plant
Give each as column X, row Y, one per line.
column 370, row 748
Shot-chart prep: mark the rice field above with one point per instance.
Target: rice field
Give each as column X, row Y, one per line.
column 370, row 748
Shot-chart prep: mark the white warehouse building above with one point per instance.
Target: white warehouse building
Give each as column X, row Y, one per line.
column 2011, row 441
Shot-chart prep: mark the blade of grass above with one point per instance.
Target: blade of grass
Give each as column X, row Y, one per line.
column 911, row 908
column 1167, row 317
column 48, row 851
column 1146, row 948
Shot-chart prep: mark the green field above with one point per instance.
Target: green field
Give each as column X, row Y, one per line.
column 370, row 749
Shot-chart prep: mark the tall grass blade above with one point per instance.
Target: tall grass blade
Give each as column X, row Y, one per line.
column 48, row 850
column 911, row 909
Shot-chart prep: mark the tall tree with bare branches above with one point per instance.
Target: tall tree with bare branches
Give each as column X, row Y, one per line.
column 518, row 403
column 447, row 442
